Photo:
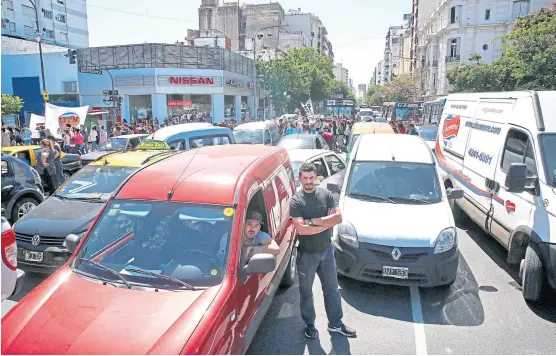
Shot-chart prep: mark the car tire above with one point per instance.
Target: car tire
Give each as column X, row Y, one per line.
column 291, row 271
column 25, row 205
column 458, row 213
column 533, row 275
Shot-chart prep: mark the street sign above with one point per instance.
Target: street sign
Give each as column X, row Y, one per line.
column 106, row 101
column 115, row 92
column 90, row 71
column 107, row 92
column 45, row 95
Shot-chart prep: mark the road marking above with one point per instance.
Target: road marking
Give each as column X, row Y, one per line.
column 418, row 323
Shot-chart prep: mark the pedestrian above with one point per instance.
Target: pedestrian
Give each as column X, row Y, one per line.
column 78, row 137
column 45, row 166
column 103, row 134
column 6, row 139
column 57, row 162
column 66, row 137
column 401, row 128
column 26, row 136
column 315, row 212
column 411, row 130
column 85, row 134
column 93, row 138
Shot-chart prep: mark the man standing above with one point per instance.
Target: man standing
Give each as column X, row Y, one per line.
column 412, row 130
column 314, row 213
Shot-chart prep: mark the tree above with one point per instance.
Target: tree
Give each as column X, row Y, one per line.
column 374, row 96
column 528, row 63
column 402, row 89
column 475, row 57
column 11, row 104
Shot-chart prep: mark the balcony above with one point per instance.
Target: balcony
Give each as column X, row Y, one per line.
column 450, row 59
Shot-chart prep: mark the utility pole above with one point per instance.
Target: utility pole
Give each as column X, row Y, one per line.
column 40, row 45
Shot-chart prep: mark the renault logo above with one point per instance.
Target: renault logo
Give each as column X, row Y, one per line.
column 35, row 240
column 396, row 253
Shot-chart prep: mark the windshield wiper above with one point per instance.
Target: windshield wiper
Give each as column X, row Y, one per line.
column 378, row 197
column 411, row 200
column 162, row 276
column 61, row 197
column 92, row 200
column 107, row 269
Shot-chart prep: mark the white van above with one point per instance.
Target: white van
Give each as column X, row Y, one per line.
column 501, row 149
column 393, row 177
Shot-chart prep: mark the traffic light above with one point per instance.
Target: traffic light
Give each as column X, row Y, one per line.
column 72, row 55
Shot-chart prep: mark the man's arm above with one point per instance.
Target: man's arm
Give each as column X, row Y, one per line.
column 269, row 246
column 303, row 229
column 334, row 216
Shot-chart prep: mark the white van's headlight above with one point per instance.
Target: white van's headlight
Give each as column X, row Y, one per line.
column 347, row 234
column 446, row 240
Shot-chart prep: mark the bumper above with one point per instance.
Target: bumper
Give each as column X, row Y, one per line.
column 53, row 257
column 424, row 268
column 548, row 254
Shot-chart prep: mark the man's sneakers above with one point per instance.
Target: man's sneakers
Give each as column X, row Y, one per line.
column 311, row 332
column 344, row 330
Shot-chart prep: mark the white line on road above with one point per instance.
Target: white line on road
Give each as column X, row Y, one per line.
column 418, row 323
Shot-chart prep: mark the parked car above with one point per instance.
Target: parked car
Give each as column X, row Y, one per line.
column 428, row 133
column 113, row 144
column 330, row 167
column 170, row 253
column 71, row 162
column 258, row 133
column 393, row 176
column 12, row 278
column 303, row 141
column 22, row 190
column 500, row 148
column 366, row 128
column 193, row 135
column 72, row 209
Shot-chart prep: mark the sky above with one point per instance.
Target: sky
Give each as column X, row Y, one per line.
column 356, row 28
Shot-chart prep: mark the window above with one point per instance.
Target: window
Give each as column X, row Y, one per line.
column 198, row 142
column 63, row 36
column 520, row 8
column 454, row 48
column 8, row 5
column 334, row 164
column 49, row 33
column 453, row 14
column 5, row 169
column 258, row 204
column 27, row 10
column 61, row 18
column 274, row 133
column 177, row 144
column 548, row 149
column 61, row 2
column 519, row 150
column 29, row 30
column 434, row 80
column 321, row 168
column 487, row 14
column 69, row 87
column 11, row 26
column 47, row 14
column 267, row 140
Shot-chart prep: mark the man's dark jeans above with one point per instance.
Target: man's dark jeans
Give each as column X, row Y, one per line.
column 308, row 265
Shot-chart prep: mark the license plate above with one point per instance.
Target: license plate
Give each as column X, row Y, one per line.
column 395, row 272
column 33, row 256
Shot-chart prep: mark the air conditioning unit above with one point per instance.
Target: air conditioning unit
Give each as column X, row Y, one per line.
column 58, row 17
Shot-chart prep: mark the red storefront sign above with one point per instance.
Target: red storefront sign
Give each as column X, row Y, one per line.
column 180, row 103
column 191, row 80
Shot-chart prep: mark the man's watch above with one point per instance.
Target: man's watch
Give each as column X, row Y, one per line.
column 311, row 222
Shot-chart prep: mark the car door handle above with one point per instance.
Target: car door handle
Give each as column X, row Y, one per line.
column 7, row 187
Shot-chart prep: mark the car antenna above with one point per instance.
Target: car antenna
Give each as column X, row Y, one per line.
column 171, row 191
column 106, row 162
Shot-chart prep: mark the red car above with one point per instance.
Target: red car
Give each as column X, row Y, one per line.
column 160, row 271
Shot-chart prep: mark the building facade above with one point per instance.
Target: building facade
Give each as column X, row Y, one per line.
column 421, row 10
column 162, row 81
column 61, row 22
column 378, row 78
column 458, row 28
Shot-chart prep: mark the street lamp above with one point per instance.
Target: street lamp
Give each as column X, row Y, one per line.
column 254, row 62
column 40, row 44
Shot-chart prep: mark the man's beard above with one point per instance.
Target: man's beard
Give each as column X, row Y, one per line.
column 308, row 186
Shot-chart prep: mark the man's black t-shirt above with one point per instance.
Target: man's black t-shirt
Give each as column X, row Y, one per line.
column 311, row 206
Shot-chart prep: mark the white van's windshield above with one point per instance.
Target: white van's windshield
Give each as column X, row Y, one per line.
column 395, row 182
column 548, row 148
column 247, row 136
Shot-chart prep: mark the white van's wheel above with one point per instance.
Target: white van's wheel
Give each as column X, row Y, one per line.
column 459, row 214
column 533, row 275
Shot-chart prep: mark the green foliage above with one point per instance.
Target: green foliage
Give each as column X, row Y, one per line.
column 528, row 63
column 402, row 89
column 374, row 96
column 303, row 72
column 475, row 57
column 11, row 104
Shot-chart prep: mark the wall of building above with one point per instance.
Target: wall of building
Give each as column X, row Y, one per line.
column 61, row 22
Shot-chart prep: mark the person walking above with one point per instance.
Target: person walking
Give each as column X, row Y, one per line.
column 6, row 138
column 78, row 137
column 93, row 138
column 315, row 212
column 411, row 130
column 45, row 166
column 26, row 136
column 103, row 134
column 57, row 162
column 85, row 134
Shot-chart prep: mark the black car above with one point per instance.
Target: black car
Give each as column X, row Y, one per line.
column 303, row 141
column 21, row 188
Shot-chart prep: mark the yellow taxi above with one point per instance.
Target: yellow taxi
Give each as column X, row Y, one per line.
column 74, row 206
column 28, row 154
column 365, row 128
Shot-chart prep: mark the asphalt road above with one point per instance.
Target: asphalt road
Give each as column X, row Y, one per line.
column 482, row 313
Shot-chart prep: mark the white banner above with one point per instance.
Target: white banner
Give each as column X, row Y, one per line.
column 57, row 117
column 36, row 121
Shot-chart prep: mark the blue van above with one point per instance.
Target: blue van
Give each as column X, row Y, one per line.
column 193, row 135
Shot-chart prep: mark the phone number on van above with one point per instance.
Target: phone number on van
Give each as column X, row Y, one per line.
column 481, row 156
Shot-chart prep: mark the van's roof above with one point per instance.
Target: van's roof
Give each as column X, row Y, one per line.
column 197, row 175
column 371, row 127
column 257, row 125
column 393, row 147
column 165, row 132
column 130, row 136
column 302, row 155
column 131, row 158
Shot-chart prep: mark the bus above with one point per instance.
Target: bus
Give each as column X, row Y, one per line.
column 432, row 110
column 394, row 111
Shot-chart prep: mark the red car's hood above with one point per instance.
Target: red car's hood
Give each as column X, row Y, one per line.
column 68, row 314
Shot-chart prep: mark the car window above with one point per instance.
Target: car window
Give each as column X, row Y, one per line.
column 318, row 144
column 267, row 140
column 95, row 182
column 292, row 143
column 248, row 136
column 334, row 164
column 185, row 241
column 274, row 133
column 134, row 142
column 321, row 167
column 37, row 152
column 113, row 144
column 519, row 149
column 197, row 142
column 178, row 144
column 5, row 169
column 548, row 148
